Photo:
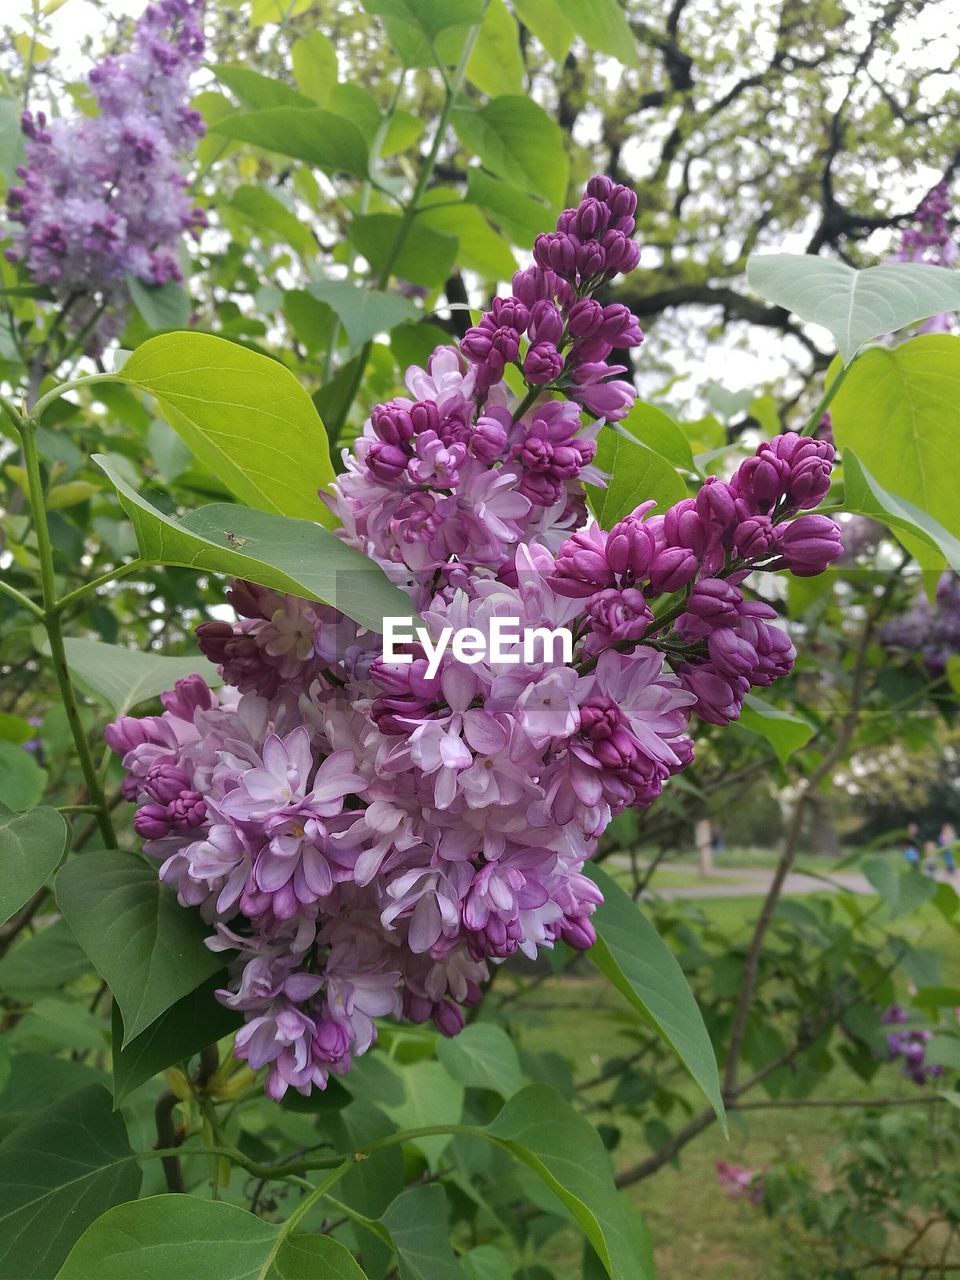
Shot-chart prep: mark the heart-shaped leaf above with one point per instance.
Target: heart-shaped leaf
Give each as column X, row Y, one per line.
column 31, row 846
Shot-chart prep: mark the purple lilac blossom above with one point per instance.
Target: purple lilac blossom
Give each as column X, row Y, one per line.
column 740, row 1182
column 931, row 630
column 103, row 197
column 930, row 240
column 910, row 1044
column 367, row 838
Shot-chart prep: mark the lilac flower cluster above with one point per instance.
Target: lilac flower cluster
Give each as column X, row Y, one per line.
column 931, row 241
column 741, row 1182
column 569, row 334
column 931, row 630
column 367, row 835
column 103, row 197
column 911, row 1045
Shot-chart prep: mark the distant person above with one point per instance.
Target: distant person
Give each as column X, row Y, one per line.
column 911, row 848
column 947, row 840
column 930, row 857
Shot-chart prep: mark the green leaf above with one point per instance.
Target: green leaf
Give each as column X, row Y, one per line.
column 364, row 312
column 311, row 134
column 517, row 140
column 944, row 1051
column 785, row 733
column 566, row 1153
column 172, row 1237
column 545, row 19
column 899, row 410
column 637, row 474
column 864, row 496
column 315, row 65
column 855, row 306
column 279, row 11
column 245, row 417
column 496, row 63
column 257, row 92
column 431, row 1096
column 21, row 779
column 196, row 1020
column 31, row 846
column 604, row 27
column 637, row 961
column 903, row 891
column 48, row 960
column 11, row 138
column 147, row 948
column 480, row 248
column 15, row 729
column 518, row 215
column 58, row 1173
column 486, row 1262
column 658, row 431
column 482, row 1056
column 419, row 1228
column 426, row 255
column 123, row 678
column 294, row 556
column 261, row 211
column 412, row 26
column 161, row 306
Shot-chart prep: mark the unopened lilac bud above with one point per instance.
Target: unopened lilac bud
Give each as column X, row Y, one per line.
column 809, row 483
column 600, row 187
column 585, row 318
column 762, row 480
column 509, row 313
column 715, row 600
column 620, row 326
column 715, row 502
column 165, row 781
column 809, row 543
column 542, row 364
column 213, row 638
column 621, row 201
column 719, row 699
column 621, row 253
column 506, row 343
column 673, row 568
column 591, row 218
column 488, row 439
column 425, row 416
column 754, row 537
column 387, row 462
column 392, row 423
column 632, row 546
column 558, row 252
column 151, row 822
column 187, row 696
column 579, row 933
column 448, row 1018
column 684, row 527
column 731, row 654
column 582, row 569
column 591, row 259
column 533, row 285
column 330, row 1042
column 475, row 345
column 546, row 323
column 127, row 732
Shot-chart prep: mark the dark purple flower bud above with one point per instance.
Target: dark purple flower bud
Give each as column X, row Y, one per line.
column 546, row 322
column 534, row 285
column 585, row 318
column 578, row 933
column 165, row 781
column 558, row 252
column 476, row 344
column 506, row 344
column 715, row 600
column 673, row 568
column 617, row 615
column 213, row 638
column 151, row 822
column 754, row 537
column 719, row 699
column 621, row 201
column 762, row 480
column 600, row 187
column 488, row 439
column 509, row 313
column 731, row 654
column 591, row 259
column 620, row 326
column 425, row 416
column 715, row 502
column 387, row 462
column 621, row 253
column 683, row 527
column 794, row 448
column 591, row 218
column 127, row 732
column 330, row 1042
column 632, row 546
column 187, row 696
column 543, row 364
column 392, row 423
column 582, row 569
column 448, row 1018
column 809, row 543
column 809, row 483
column 188, row 810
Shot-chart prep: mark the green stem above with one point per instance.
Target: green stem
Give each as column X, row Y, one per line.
column 72, row 597
column 410, row 212
column 51, row 619
column 75, row 384
column 23, row 601
column 813, row 422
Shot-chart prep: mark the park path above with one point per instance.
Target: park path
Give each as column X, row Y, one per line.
column 755, row 881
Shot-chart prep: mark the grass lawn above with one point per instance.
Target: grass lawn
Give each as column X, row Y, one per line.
column 696, row 1230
